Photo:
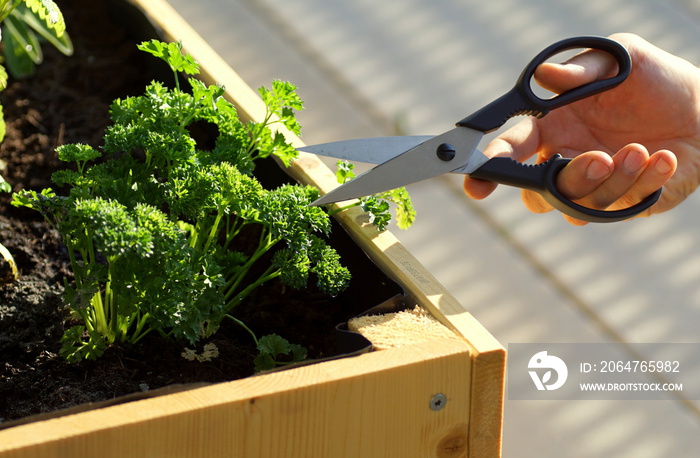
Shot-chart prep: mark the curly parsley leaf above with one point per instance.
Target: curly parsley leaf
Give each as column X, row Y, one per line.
column 274, row 351
column 344, row 172
column 377, row 205
column 281, row 101
column 172, row 54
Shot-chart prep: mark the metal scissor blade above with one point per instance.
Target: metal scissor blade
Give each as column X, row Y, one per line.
column 416, row 164
column 369, row 150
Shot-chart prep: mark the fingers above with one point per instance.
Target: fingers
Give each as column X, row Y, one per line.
column 595, row 179
column 619, row 182
column 586, row 67
column 523, row 140
column 478, row 189
column 519, row 142
column 581, row 177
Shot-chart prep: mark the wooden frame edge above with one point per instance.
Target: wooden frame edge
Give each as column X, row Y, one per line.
column 236, row 417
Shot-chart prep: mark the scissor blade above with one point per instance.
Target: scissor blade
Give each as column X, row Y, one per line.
column 416, row 164
column 370, row 150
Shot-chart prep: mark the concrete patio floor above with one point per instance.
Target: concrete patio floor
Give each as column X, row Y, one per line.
column 369, row 68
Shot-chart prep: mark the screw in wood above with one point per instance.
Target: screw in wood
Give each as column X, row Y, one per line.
column 438, row 402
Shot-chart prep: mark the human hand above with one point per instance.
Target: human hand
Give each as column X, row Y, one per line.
column 625, row 143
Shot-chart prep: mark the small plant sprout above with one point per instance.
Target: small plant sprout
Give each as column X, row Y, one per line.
column 275, row 351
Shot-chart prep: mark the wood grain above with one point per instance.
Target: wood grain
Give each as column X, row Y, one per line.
column 377, row 406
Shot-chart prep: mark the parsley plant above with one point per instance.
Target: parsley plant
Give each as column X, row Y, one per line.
column 153, row 220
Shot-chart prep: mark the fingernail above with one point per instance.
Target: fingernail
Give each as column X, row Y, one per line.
column 597, row 171
column 662, row 166
column 633, row 162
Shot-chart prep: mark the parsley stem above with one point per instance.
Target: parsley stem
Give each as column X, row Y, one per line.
column 340, row 209
column 238, row 298
column 139, row 333
column 213, row 231
column 232, row 230
column 99, row 316
column 242, row 324
column 266, row 242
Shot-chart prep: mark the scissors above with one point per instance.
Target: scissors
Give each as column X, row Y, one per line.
column 408, row 159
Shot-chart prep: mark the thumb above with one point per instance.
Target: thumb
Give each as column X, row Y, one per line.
column 584, row 68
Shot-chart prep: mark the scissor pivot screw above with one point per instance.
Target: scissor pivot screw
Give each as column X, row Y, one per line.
column 446, row 152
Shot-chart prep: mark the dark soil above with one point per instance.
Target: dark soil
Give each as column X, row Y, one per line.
column 67, row 101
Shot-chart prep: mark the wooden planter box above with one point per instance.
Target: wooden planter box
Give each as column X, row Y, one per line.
column 379, row 404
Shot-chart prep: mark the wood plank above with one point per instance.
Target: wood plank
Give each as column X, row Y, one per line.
column 377, row 406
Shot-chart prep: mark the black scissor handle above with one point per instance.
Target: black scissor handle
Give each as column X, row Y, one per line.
column 541, row 178
column 522, row 100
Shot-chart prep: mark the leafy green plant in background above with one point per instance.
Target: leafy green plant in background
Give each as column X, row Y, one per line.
column 153, row 221
column 25, row 23
column 21, row 21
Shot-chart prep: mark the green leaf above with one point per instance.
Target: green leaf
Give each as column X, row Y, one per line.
column 6, row 7
column 405, row 212
column 299, row 353
column 25, row 38
column 273, row 345
column 74, row 348
column 19, row 49
column 44, row 202
column 77, row 152
column 206, row 96
column 66, row 177
column 171, row 53
column 285, row 94
column 377, row 206
column 48, row 12
column 263, row 362
column 378, row 211
column 280, row 103
column 333, row 277
column 114, row 229
column 3, row 85
column 51, row 32
column 344, row 171
column 4, row 185
column 293, row 267
column 287, row 212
